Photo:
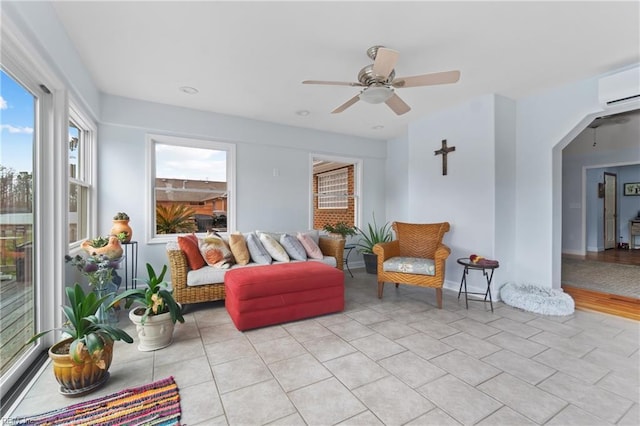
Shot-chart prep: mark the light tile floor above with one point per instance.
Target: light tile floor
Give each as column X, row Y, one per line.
column 393, row 361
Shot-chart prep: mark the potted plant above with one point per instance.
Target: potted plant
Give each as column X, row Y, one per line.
column 102, row 277
column 373, row 235
column 109, row 246
column 81, row 361
column 121, row 228
column 341, row 229
column 157, row 314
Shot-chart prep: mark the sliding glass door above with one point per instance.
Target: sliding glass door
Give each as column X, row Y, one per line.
column 19, row 132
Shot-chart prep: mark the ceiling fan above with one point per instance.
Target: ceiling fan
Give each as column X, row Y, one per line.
column 379, row 81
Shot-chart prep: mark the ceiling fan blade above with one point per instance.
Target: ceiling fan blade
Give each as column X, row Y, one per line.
column 385, row 61
column 333, row 83
column 432, row 79
column 346, row 105
column 398, row 105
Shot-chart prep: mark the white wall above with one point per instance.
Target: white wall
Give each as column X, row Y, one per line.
column 465, row 197
column 547, row 123
column 543, row 121
column 39, row 23
column 397, row 185
column 263, row 201
column 505, row 187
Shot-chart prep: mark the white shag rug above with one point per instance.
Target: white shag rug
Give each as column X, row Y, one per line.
column 533, row 298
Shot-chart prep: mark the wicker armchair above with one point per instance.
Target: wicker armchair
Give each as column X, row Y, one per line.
column 419, row 241
column 185, row 294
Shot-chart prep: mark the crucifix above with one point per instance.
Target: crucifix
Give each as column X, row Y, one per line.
column 444, row 151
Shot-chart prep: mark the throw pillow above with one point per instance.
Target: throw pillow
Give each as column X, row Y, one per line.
column 215, row 252
column 275, row 250
column 239, row 248
column 314, row 234
column 293, row 247
column 312, row 249
column 276, row 235
column 190, row 246
column 257, row 251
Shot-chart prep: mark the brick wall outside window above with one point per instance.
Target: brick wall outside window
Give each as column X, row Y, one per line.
column 324, row 216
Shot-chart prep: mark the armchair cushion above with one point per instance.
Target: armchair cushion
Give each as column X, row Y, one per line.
column 410, row 265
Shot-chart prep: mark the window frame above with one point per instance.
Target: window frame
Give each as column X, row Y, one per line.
column 87, row 168
column 22, row 60
column 150, row 211
column 358, row 182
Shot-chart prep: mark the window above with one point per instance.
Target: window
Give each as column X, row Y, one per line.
column 333, row 190
column 191, row 185
column 81, row 145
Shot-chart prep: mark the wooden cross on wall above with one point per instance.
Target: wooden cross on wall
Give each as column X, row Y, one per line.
column 444, row 151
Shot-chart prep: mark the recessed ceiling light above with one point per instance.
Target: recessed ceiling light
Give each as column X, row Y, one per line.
column 378, row 127
column 189, row 90
column 303, row 112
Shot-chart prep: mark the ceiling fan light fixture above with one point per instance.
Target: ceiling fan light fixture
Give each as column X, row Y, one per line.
column 376, row 94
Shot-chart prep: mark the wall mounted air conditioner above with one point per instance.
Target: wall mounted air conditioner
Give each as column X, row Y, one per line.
column 619, row 88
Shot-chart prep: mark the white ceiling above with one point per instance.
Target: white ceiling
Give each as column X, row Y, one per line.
column 249, row 58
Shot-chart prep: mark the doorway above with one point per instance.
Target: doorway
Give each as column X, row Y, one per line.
column 610, row 212
column 595, row 214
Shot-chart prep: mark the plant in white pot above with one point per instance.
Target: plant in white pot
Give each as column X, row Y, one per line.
column 157, row 314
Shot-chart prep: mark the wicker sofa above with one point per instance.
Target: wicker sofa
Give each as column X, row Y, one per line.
column 207, row 292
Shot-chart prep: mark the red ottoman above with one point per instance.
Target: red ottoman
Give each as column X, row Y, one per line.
column 271, row 294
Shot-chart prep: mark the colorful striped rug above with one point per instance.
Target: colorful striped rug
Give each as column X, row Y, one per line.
column 154, row 404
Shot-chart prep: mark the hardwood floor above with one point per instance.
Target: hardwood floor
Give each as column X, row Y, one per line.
column 624, row 257
column 626, row 307
column 613, row 304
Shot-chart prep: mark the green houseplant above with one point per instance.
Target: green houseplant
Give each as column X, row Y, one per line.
column 81, row 361
column 121, row 228
column 157, row 313
column 341, row 228
column 373, row 235
column 109, row 246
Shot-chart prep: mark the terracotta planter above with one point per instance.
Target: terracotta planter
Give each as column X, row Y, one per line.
column 79, row 379
column 113, row 250
column 122, row 226
column 157, row 331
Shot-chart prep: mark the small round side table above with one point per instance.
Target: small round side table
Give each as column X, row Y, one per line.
column 487, row 271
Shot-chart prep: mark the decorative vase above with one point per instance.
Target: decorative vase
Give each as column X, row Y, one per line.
column 113, row 250
column 155, row 333
column 120, row 226
column 79, row 379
